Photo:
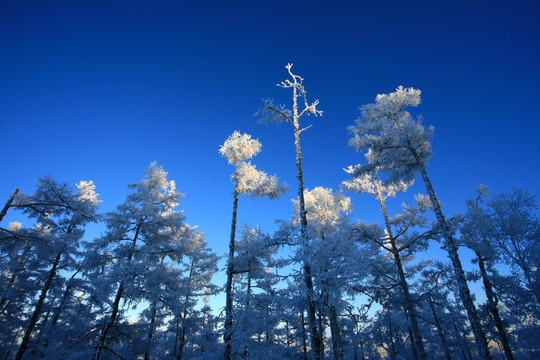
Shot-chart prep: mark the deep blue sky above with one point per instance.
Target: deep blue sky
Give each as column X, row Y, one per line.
column 98, row 90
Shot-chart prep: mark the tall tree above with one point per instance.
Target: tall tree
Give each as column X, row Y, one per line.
column 142, row 236
column 515, row 230
column 400, row 145
column 396, row 229
column 475, row 234
column 279, row 113
column 248, row 181
column 38, row 254
column 330, row 249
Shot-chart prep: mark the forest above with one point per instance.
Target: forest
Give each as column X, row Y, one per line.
column 321, row 286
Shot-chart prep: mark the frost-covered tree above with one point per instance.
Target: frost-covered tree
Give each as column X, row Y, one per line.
column 278, row 114
column 134, row 262
column 399, row 145
column 197, row 265
column 258, row 313
column 515, row 230
column 398, row 239
column 33, row 258
column 329, row 249
column 248, row 181
column 503, row 232
column 475, row 231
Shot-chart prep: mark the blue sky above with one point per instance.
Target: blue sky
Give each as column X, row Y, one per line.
column 95, row 90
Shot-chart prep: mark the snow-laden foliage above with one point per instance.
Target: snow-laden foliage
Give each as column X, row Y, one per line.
column 248, row 181
column 323, row 206
column 148, row 255
column 36, row 261
column 323, row 285
column 239, row 147
column 388, row 135
column 256, row 183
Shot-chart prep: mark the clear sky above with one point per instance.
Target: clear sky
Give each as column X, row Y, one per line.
column 97, row 90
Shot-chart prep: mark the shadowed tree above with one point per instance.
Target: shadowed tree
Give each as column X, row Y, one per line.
column 397, row 228
column 39, row 254
column 144, row 234
column 475, row 232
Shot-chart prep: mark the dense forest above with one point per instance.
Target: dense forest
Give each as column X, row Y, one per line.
column 321, row 286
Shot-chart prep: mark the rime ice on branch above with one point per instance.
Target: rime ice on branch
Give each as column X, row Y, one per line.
column 248, row 181
column 397, row 144
column 271, row 112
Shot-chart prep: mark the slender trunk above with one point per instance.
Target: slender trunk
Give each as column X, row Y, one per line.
column 151, row 332
column 492, row 307
column 8, row 204
column 110, row 323
column 15, row 337
column 181, row 330
column 337, row 342
column 321, row 332
column 451, row 247
column 152, row 322
column 116, row 305
column 315, row 336
column 440, row 330
column 288, row 334
column 227, row 337
column 37, row 309
column 180, row 340
column 64, row 299
column 392, row 344
column 414, row 351
column 416, row 339
column 182, row 343
column 304, row 340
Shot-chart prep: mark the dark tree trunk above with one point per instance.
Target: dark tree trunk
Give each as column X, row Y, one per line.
column 116, row 305
column 337, row 343
column 8, row 204
column 492, row 307
column 416, row 338
column 227, row 336
column 459, row 275
column 37, row 310
column 440, row 330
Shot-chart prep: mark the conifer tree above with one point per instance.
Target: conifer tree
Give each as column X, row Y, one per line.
column 400, row 146
column 248, row 181
column 37, row 255
column 278, row 114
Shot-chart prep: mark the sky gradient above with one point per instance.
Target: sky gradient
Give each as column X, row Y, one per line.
column 95, row 90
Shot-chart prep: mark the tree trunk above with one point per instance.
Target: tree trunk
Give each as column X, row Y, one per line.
column 110, row 323
column 304, row 340
column 116, row 305
column 151, row 331
column 451, row 247
column 440, row 330
column 315, row 336
column 392, row 344
column 492, row 307
column 321, row 332
column 37, row 309
column 8, row 204
column 337, row 343
column 227, row 336
column 417, row 341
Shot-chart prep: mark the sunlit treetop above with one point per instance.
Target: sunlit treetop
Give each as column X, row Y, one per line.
column 392, row 140
column 239, row 147
column 323, row 206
